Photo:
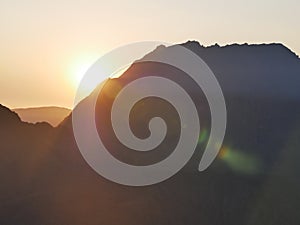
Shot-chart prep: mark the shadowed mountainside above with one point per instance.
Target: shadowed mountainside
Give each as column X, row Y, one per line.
column 254, row 180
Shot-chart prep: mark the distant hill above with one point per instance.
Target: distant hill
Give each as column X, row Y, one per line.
column 255, row 179
column 53, row 115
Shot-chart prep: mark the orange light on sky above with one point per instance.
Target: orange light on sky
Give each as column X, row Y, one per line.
column 79, row 66
column 46, row 46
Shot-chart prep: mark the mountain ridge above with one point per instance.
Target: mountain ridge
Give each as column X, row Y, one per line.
column 239, row 67
column 53, row 115
column 261, row 45
column 255, row 179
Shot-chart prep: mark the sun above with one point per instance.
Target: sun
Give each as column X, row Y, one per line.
column 79, row 66
column 78, row 69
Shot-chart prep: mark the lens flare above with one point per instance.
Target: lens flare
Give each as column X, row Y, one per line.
column 239, row 161
column 203, row 136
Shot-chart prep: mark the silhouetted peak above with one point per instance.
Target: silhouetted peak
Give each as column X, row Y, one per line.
column 272, row 49
column 43, row 125
column 282, row 48
column 156, row 51
column 50, row 114
column 8, row 116
column 192, row 43
column 256, row 61
column 160, row 47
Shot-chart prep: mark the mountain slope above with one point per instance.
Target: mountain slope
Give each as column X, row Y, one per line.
column 254, row 180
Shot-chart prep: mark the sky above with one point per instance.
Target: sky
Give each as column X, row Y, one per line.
column 46, row 46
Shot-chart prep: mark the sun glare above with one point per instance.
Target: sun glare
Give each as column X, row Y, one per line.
column 79, row 72
column 79, row 67
column 76, row 71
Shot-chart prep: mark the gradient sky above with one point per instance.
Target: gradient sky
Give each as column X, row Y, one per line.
column 46, row 45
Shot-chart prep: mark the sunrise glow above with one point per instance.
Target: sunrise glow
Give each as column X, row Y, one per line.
column 79, row 67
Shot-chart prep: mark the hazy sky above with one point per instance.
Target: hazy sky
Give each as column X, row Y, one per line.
column 46, row 45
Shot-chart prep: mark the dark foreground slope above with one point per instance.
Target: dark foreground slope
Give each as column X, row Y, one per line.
column 254, row 180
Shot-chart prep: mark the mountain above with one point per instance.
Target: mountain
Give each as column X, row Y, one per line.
column 254, row 180
column 53, row 115
column 23, row 150
column 238, row 68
